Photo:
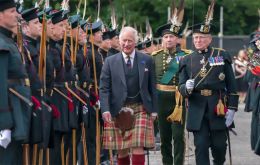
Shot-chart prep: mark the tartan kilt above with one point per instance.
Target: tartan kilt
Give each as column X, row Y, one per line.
column 142, row 135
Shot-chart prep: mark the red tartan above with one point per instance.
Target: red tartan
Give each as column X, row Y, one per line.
column 142, row 135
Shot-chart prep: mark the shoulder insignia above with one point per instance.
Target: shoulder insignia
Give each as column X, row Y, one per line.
column 219, row 49
column 187, row 51
column 156, row 52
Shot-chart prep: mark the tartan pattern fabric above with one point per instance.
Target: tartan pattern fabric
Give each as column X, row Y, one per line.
column 142, row 135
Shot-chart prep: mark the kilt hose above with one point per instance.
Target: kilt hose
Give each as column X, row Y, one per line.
column 142, row 134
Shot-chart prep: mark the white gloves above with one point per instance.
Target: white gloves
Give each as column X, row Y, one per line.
column 97, row 104
column 5, row 137
column 189, row 85
column 229, row 117
column 107, row 116
column 154, row 116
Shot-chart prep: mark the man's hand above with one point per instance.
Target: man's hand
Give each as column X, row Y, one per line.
column 229, row 117
column 97, row 105
column 94, row 100
column 154, row 116
column 189, row 84
column 106, row 117
column 5, row 137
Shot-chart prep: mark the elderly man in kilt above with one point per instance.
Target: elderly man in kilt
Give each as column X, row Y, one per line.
column 128, row 100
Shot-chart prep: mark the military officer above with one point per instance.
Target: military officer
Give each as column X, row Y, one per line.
column 166, row 66
column 32, row 29
column 59, row 98
column 207, row 80
column 47, row 115
column 83, row 78
column 96, row 37
column 15, row 92
column 94, row 31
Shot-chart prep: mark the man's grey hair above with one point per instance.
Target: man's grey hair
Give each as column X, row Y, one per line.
column 129, row 29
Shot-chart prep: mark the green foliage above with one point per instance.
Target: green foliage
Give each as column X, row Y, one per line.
column 240, row 16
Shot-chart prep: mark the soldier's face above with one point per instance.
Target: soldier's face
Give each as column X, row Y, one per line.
column 106, row 44
column 81, row 35
column 35, row 28
column 97, row 36
column 169, row 41
column 8, row 19
column 58, row 30
column 115, row 42
column 127, row 42
column 201, row 41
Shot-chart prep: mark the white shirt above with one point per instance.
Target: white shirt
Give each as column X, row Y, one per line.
column 132, row 56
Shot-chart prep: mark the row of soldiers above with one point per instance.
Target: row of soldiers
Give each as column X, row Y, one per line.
column 52, row 81
column 50, row 77
column 49, row 102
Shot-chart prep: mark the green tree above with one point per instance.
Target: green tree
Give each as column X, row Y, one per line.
column 240, row 16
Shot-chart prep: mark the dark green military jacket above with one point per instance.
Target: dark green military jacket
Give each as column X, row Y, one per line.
column 66, row 74
column 218, row 77
column 82, row 68
column 83, row 74
column 15, row 113
column 98, row 60
column 112, row 51
column 32, row 63
column 60, row 123
column 167, row 65
column 31, row 54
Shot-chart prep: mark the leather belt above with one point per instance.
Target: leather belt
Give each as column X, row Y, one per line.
column 206, row 92
column 25, row 82
column 167, row 88
column 132, row 104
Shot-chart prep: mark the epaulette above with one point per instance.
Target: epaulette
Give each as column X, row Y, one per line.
column 156, row 52
column 219, row 49
column 225, row 54
column 187, row 51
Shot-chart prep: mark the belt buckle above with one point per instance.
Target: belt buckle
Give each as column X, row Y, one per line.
column 206, row 92
column 27, row 82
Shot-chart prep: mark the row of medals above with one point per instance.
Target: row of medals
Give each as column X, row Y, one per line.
column 213, row 61
column 203, row 70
